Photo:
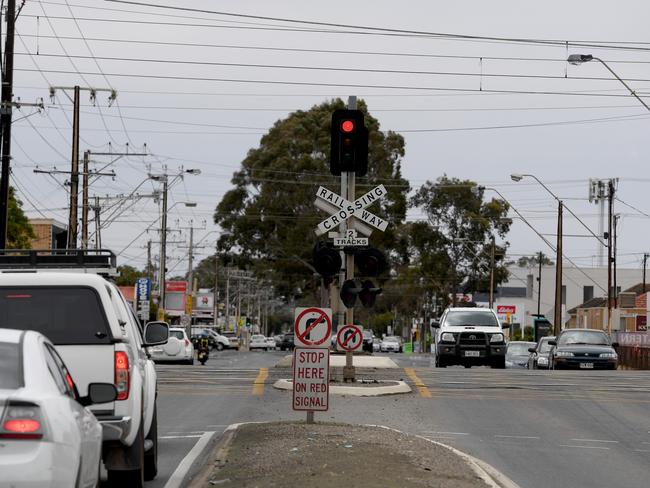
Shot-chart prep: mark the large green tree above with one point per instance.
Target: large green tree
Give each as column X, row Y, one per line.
column 19, row 230
column 270, row 215
column 453, row 246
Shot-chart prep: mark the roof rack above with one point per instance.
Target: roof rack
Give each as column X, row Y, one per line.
column 99, row 261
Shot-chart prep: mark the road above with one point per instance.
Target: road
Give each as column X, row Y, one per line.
column 541, row 428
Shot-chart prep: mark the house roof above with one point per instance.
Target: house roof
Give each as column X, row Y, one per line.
column 595, row 302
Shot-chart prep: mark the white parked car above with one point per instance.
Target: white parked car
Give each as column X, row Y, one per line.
column 100, row 339
column 390, row 344
column 270, row 342
column 47, row 435
column 178, row 348
column 258, row 341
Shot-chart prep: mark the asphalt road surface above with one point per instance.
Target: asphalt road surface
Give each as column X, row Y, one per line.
column 541, row 428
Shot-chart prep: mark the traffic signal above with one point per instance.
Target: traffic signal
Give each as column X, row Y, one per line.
column 327, row 260
column 368, row 293
column 349, row 291
column 370, row 261
column 349, row 143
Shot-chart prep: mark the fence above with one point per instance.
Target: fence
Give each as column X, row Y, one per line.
column 634, row 357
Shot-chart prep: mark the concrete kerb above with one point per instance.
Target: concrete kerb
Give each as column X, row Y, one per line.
column 486, row 472
column 361, row 391
column 493, row 477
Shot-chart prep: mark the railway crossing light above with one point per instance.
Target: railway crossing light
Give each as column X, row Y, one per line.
column 327, row 261
column 349, row 291
column 349, row 143
column 368, row 293
column 370, row 261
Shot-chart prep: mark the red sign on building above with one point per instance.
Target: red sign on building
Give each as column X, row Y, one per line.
column 506, row 309
column 641, row 323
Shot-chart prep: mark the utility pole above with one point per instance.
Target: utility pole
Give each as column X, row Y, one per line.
column 74, row 170
column 645, row 263
column 163, row 253
column 84, row 204
column 149, row 270
column 539, row 285
column 492, row 274
column 215, row 298
column 98, row 228
column 615, row 261
column 610, row 197
column 74, row 174
column 557, row 319
column 5, row 119
column 227, row 302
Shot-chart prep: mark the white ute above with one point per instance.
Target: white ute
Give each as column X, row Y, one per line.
column 101, row 341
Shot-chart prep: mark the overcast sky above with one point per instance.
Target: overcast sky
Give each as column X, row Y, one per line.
column 459, row 114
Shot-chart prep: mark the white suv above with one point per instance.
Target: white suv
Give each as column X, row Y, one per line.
column 469, row 337
column 101, row 341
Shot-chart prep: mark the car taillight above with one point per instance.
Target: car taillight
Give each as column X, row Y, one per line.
column 187, row 342
column 122, row 379
column 22, row 421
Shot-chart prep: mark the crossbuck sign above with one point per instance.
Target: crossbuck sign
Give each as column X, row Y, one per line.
column 344, row 209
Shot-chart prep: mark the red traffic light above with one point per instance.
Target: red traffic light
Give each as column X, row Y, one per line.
column 347, row 126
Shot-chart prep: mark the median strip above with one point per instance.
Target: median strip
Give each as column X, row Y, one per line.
column 424, row 391
column 258, row 384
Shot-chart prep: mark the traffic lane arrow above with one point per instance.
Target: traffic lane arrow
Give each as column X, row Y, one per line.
column 331, row 209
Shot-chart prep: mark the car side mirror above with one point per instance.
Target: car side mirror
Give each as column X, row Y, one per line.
column 156, row 334
column 435, row 324
column 532, row 349
column 99, row 393
column 614, row 344
column 505, row 326
column 552, row 343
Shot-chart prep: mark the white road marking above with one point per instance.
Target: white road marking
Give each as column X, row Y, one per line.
column 593, row 440
column 586, row 447
column 641, row 450
column 192, row 436
column 177, row 477
column 516, row 437
column 446, row 433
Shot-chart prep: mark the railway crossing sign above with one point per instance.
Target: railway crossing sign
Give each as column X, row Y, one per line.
column 350, row 337
column 312, row 327
column 342, row 209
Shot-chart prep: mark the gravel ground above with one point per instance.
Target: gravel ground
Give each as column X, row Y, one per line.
column 323, row 455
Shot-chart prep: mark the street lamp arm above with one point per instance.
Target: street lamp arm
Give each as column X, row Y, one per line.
column 632, row 92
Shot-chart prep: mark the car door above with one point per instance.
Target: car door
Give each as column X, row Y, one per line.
column 86, row 422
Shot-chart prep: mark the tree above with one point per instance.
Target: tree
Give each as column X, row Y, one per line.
column 531, row 261
column 19, row 230
column 269, row 215
column 128, row 275
column 453, row 247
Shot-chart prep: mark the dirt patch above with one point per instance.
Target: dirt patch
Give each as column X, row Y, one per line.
column 292, row 455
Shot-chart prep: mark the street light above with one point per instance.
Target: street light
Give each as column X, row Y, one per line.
column 578, row 59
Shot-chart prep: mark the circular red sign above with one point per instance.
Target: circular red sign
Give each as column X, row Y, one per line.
column 301, row 335
column 347, row 126
column 344, row 342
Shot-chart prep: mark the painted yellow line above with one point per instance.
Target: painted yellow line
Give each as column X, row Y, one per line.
column 424, row 391
column 258, row 384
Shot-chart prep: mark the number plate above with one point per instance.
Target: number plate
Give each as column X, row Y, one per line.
column 587, row 365
column 472, row 354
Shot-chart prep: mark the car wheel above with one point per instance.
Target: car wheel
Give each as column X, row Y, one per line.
column 219, row 346
column 151, row 456
column 499, row 363
column 133, row 478
column 467, row 365
column 440, row 362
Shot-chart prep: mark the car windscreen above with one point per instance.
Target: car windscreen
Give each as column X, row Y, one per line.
column 391, row 339
column 471, row 318
column 588, row 337
column 544, row 347
column 176, row 333
column 11, row 376
column 65, row 315
column 519, row 349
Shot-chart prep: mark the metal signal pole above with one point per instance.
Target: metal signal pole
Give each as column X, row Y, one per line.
column 539, row 285
column 5, row 120
column 557, row 316
column 492, row 274
column 348, row 183
column 645, row 263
